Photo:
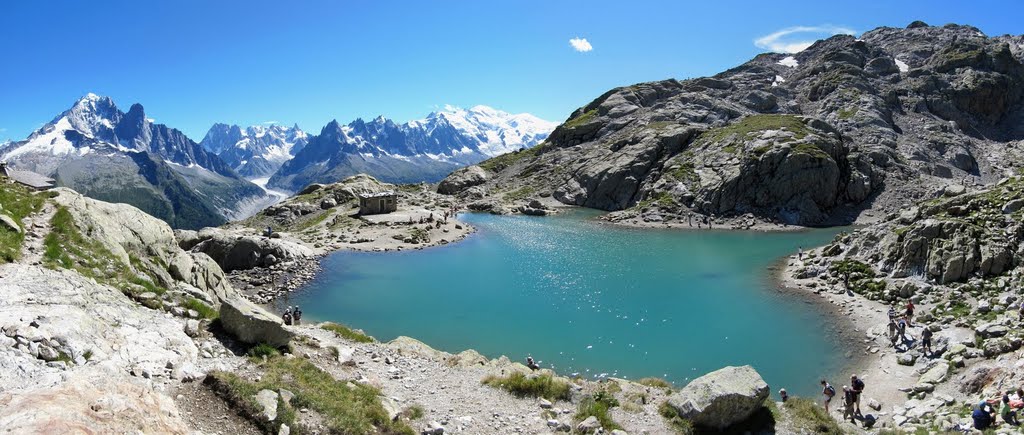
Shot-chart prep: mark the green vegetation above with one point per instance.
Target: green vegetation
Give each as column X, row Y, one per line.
column 660, row 199
column 414, row 412
column 655, row 383
column 67, row 248
column 854, row 268
column 262, row 350
column 520, row 193
column 346, row 407
column 499, row 163
column 848, row 112
column 205, row 311
column 583, row 119
column 419, row 235
column 347, row 333
column 755, row 124
column 597, row 405
column 677, row 423
column 810, row 418
column 685, row 172
column 18, row 202
column 521, row 385
column 310, row 221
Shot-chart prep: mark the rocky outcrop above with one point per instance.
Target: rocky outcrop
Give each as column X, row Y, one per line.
column 810, row 138
column 238, row 251
column 67, row 347
column 721, row 398
column 462, row 179
column 144, row 242
column 252, row 324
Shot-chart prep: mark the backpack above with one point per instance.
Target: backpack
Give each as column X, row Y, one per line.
column 859, row 386
column 830, row 390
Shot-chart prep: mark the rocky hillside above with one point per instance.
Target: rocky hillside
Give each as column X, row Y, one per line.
column 107, row 154
column 847, row 125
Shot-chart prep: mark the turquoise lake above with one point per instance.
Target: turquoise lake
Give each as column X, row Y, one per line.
column 589, row 298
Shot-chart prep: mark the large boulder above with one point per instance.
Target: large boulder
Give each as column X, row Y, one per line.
column 721, row 398
column 233, row 251
column 252, row 324
column 462, row 179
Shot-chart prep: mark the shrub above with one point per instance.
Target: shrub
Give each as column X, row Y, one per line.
column 655, row 383
column 347, row 333
column 520, row 385
column 262, row 350
column 598, row 405
column 679, row 424
column 205, row 311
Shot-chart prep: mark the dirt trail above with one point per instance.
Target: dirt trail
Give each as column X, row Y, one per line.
column 37, row 227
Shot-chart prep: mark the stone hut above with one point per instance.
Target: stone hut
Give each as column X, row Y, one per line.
column 28, row 178
column 378, row 202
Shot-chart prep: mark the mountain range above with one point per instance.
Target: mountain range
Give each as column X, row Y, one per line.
column 116, row 156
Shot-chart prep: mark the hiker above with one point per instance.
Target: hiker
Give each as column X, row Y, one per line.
column 848, row 404
column 784, row 395
column 531, row 363
column 902, row 324
column 910, row 312
column 857, row 386
column 892, row 312
column 296, row 315
column 287, row 316
column 1007, row 412
column 828, row 391
column 982, row 419
column 269, row 232
column 800, row 253
column 926, row 341
column 892, row 331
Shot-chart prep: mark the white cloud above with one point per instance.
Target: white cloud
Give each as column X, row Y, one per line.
column 269, row 122
column 797, row 38
column 580, row 44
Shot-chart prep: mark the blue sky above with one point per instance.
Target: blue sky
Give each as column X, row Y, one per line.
column 195, row 62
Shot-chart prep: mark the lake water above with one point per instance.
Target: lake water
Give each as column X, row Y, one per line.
column 590, row 298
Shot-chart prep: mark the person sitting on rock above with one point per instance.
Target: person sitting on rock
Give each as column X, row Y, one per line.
column 982, row 419
column 926, row 341
column 287, row 316
column 531, row 363
column 296, row 315
column 784, row 395
column 1007, row 412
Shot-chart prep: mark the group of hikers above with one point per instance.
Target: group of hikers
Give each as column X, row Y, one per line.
column 898, row 329
column 1005, row 404
column 851, row 400
column 292, row 316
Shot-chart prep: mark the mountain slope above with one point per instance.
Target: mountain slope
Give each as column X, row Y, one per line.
column 422, row 150
column 817, row 137
column 107, row 154
column 257, row 151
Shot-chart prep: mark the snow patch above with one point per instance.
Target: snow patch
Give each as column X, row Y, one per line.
column 902, row 66
column 789, row 61
column 778, row 81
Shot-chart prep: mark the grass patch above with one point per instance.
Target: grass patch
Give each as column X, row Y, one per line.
column 414, row 412
column 755, row 124
column 678, row 424
column 347, row 333
column 520, row 193
column 346, row 407
column 18, row 202
column 848, row 113
column 205, row 311
column 499, row 163
column 520, row 385
column 598, row 405
column 810, row 417
column 583, row 119
column 655, row 383
column 262, row 350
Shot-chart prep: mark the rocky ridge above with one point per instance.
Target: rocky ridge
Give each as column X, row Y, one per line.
column 844, row 131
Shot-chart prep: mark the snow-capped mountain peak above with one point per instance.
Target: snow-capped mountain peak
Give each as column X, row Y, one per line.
column 256, row 151
column 498, row 132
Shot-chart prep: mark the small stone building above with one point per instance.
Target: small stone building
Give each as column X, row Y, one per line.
column 27, row 178
column 378, row 202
